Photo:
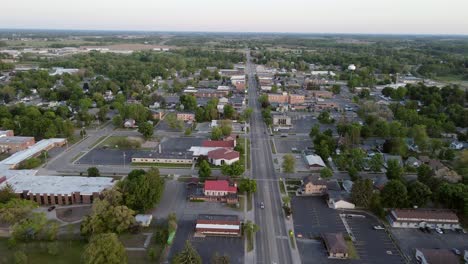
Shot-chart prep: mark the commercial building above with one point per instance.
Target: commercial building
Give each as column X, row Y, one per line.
column 218, row 225
column 336, row 245
column 60, row 190
column 315, row 162
column 6, row 133
column 414, row 218
column 185, row 116
column 281, row 120
column 219, row 188
column 14, row 144
column 44, row 145
column 221, row 156
column 339, row 200
column 167, row 158
column 238, row 81
column 313, row 186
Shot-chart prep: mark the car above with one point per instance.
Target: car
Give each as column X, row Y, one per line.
column 51, row 208
column 378, row 227
column 428, row 230
column 262, row 205
column 422, row 229
column 456, row 251
column 439, row 231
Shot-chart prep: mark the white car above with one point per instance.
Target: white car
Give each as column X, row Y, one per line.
column 438, row 230
column 378, row 227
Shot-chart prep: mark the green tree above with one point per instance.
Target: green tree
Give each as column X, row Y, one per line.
column 229, row 111
column 418, row 193
column 16, row 209
column 6, row 194
column 216, row 133
column 117, row 121
column 325, row 118
column 204, row 170
column 394, row 194
column 247, row 113
column 104, row 248
column 353, row 173
column 394, row 170
column 289, row 163
column 361, row 192
column 247, row 185
column 336, row 89
column 376, row 162
column 188, row 101
column 146, row 129
column 93, row 172
column 102, row 113
column 314, row 131
column 235, row 169
column 20, row 257
column 142, row 191
column 34, row 227
column 421, row 139
column 424, row 173
column 187, row 255
column 376, row 205
column 326, row 173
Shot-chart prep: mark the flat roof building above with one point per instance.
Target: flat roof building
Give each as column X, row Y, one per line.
column 44, row 145
column 414, row 218
column 218, row 225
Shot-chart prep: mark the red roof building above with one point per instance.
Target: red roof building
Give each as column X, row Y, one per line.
column 219, row 143
column 223, row 156
column 219, row 188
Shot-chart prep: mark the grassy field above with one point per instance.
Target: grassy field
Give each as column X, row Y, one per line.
column 351, row 250
column 273, row 149
column 249, row 202
column 241, row 141
column 69, row 252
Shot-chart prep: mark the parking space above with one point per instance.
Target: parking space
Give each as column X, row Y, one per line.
column 300, row 165
column 208, row 246
column 179, row 144
column 286, row 144
column 372, row 246
column 409, row 239
column 302, row 122
column 107, row 157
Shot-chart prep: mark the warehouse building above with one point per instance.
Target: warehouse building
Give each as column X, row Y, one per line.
column 218, row 225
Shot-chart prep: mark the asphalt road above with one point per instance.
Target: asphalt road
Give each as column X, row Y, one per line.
column 272, row 241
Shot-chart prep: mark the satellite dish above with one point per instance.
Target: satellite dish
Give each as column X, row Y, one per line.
column 352, row 67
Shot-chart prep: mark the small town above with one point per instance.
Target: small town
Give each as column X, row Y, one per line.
column 206, row 147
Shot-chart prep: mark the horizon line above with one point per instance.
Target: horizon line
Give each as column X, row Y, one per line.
column 236, row 32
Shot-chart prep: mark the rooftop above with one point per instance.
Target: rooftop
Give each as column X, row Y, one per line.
column 223, row 153
column 219, row 185
column 218, row 143
column 15, row 139
column 66, row 185
column 30, row 152
column 439, row 256
column 335, row 242
column 417, row 214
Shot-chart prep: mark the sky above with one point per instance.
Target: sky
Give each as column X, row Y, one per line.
column 302, row 16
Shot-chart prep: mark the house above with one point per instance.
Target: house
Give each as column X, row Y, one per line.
column 219, row 188
column 339, row 200
column 313, row 186
column 281, row 120
column 336, row 245
column 380, row 182
column 443, row 172
column 414, row 218
column 296, row 99
column 278, row 98
column 436, row 256
column 144, row 220
column 413, row 162
column 231, row 143
column 321, row 94
column 218, row 225
column 314, row 162
column 348, row 185
column 185, row 116
column 130, row 123
column 238, row 81
column 223, row 156
column 456, row 145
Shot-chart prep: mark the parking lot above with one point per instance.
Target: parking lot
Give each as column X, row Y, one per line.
column 300, row 165
column 99, row 156
column 312, row 218
column 409, row 239
column 179, row 144
column 164, row 126
column 286, row 144
column 372, row 246
column 208, row 246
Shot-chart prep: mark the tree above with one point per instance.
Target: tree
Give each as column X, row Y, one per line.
column 376, row 205
column 376, row 162
column 235, row 169
column 247, row 113
column 20, row 257
column 326, row 173
column 220, row 259
column 361, row 192
column 216, row 133
column 421, row 139
column 104, row 249
column 142, row 191
column 336, row 89
column 102, row 113
column 16, row 209
column 229, row 111
column 117, row 121
column 6, row 194
column 325, row 118
column 289, row 163
column 314, row 131
column 263, row 100
column 34, row 227
column 418, row 193
column 107, row 217
column 247, row 185
column 250, row 228
column 204, row 170
column 188, row 101
column 394, row 170
column 394, row 194
column 93, row 172
column 187, row 255
column 424, row 173
column 146, row 129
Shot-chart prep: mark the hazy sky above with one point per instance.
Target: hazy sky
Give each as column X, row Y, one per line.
column 314, row 16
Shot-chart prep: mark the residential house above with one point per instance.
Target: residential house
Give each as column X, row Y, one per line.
column 414, row 218
column 436, row 256
column 456, row 145
column 130, row 123
column 336, row 245
column 339, row 200
column 321, row 94
column 413, row 162
column 313, row 186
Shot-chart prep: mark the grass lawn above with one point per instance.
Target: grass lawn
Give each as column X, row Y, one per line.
column 250, row 244
column 249, row 202
column 69, row 252
column 273, row 149
column 291, row 238
column 281, row 187
column 241, row 141
column 351, row 249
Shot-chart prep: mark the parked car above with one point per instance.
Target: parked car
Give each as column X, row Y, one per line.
column 262, row 205
column 438, row 230
column 456, row 251
column 427, row 229
column 422, row 229
column 51, row 208
column 378, row 227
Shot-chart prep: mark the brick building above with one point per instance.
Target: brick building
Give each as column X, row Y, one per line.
column 186, row 116
column 14, row 144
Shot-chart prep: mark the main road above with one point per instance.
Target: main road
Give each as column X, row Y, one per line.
column 272, row 241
